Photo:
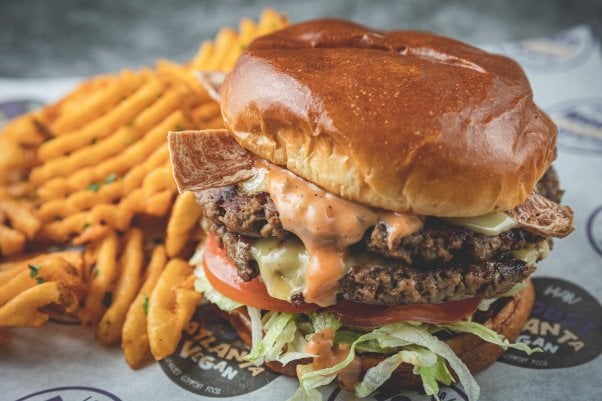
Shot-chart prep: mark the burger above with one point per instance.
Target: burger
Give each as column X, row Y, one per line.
column 374, row 207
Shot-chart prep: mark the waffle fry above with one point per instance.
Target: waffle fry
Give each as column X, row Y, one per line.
column 93, row 166
column 109, row 328
column 103, row 276
column 170, row 308
column 184, row 217
column 24, row 309
column 134, row 341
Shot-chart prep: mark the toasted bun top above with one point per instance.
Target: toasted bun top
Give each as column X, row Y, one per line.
column 399, row 120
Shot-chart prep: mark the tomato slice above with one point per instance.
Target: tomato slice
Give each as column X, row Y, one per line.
column 222, row 275
column 362, row 315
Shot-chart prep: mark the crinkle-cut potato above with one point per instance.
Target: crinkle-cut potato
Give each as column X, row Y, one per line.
column 92, row 171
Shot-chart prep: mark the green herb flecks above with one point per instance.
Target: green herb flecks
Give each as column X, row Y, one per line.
column 33, row 270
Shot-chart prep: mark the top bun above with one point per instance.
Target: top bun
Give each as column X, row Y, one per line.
column 404, row 121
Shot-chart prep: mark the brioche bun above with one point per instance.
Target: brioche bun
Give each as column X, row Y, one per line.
column 474, row 352
column 404, row 121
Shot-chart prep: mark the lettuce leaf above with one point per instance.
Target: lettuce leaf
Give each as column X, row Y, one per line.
column 281, row 334
column 377, row 375
column 488, row 335
column 212, row 295
column 323, row 320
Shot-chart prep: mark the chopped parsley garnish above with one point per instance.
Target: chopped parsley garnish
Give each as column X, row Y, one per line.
column 39, row 280
column 33, row 270
column 94, row 187
column 110, row 178
column 179, row 127
column 145, row 303
column 86, row 225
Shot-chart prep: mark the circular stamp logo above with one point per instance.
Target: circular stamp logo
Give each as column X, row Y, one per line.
column 594, row 230
column 452, row 392
column 209, row 359
column 71, row 394
column 560, row 51
column 579, row 125
column 566, row 322
column 13, row 108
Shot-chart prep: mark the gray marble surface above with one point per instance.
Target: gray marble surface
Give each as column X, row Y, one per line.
column 57, row 38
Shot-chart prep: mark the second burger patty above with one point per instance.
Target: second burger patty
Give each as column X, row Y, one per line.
column 440, row 262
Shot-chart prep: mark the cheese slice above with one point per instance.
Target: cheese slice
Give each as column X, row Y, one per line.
column 488, row 224
column 282, row 265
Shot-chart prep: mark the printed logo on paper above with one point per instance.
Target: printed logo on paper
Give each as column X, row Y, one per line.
column 579, row 125
column 14, row 108
column 209, row 359
column 71, row 394
column 447, row 393
column 594, row 230
column 565, row 322
column 562, row 50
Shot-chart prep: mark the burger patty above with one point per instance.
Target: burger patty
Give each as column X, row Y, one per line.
column 255, row 216
column 395, row 283
column 403, row 284
column 439, row 262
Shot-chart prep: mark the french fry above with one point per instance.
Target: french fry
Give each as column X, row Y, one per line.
column 21, row 218
column 170, row 308
column 134, row 337
column 184, row 217
column 91, row 234
column 109, row 328
column 224, row 43
column 85, row 199
column 24, row 309
column 51, row 269
column 115, row 143
column 103, row 126
column 73, row 256
column 23, row 130
column 11, row 156
column 92, row 177
column 11, row 241
column 159, row 204
column 103, row 276
column 100, row 101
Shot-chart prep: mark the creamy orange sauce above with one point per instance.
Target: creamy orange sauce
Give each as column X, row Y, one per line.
column 400, row 225
column 349, row 377
column 327, row 225
column 321, row 345
column 327, row 355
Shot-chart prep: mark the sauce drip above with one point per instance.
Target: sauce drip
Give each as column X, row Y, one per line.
column 327, row 225
column 321, row 345
column 327, row 355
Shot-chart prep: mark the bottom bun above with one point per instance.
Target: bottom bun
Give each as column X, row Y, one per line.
column 507, row 320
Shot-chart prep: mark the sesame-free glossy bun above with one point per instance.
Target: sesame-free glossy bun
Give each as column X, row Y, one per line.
column 399, row 120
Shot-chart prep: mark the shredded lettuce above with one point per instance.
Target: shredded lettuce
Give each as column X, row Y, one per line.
column 488, row 335
column 377, row 375
column 282, row 341
column 323, row 320
column 282, row 337
column 256, row 335
column 212, row 295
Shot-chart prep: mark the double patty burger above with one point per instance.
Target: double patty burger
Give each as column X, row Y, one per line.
column 375, row 206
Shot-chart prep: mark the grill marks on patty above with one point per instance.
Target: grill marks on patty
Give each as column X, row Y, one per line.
column 439, row 262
